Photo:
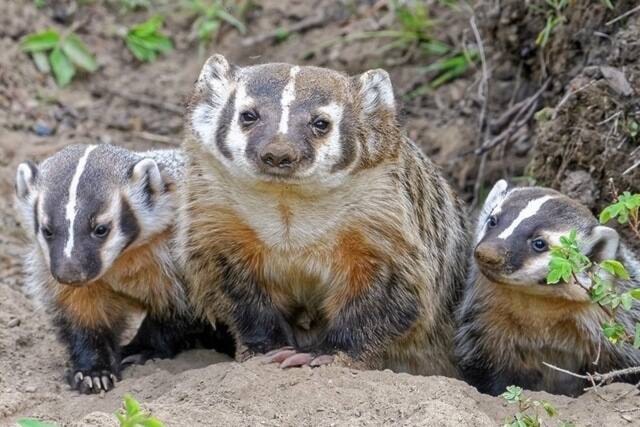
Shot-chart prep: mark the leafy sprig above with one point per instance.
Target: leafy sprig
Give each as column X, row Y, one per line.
column 66, row 52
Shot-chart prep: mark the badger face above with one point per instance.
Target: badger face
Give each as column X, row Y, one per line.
column 519, row 226
column 285, row 123
column 82, row 214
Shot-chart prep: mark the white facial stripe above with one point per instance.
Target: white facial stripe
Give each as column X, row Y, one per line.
column 530, row 210
column 237, row 139
column 330, row 152
column 288, row 95
column 71, row 212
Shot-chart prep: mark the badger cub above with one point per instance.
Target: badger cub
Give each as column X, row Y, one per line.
column 101, row 219
column 310, row 224
column 511, row 320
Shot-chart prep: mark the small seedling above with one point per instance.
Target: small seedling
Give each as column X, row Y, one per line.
column 133, row 416
column 146, row 41
column 210, row 15
column 554, row 15
column 66, row 52
column 528, row 414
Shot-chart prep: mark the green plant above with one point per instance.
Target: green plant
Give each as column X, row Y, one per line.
column 554, row 16
column 211, row 14
column 31, row 422
column 131, row 415
column 528, row 414
column 625, row 210
column 414, row 35
column 568, row 262
column 146, row 41
column 66, row 52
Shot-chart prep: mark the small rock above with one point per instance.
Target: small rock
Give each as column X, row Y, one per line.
column 42, row 128
column 13, row 323
column 30, row 389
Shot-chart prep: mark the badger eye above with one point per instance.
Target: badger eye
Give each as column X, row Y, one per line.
column 248, row 117
column 539, row 245
column 493, row 221
column 47, row 232
column 101, row 231
column 320, row 125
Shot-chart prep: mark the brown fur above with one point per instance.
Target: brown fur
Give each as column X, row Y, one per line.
column 377, row 286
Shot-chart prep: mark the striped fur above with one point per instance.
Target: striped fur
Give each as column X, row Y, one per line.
column 360, row 250
column 93, row 284
column 511, row 321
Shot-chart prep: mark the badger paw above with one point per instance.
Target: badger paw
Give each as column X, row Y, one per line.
column 92, row 381
column 287, row 357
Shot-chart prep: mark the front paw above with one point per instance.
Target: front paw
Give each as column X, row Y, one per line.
column 89, row 381
column 287, row 357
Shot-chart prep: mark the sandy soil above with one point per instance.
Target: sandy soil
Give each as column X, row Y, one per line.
column 200, row 387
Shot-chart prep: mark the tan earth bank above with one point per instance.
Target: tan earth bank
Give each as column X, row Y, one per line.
column 201, row 387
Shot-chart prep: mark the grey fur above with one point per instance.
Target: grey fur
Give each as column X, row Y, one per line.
column 506, row 332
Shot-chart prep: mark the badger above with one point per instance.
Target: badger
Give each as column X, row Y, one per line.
column 100, row 223
column 511, row 320
column 312, row 227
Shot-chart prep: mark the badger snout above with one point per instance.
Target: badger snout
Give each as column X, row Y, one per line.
column 279, row 157
column 491, row 254
column 69, row 272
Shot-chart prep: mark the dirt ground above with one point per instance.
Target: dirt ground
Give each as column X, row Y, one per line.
column 141, row 106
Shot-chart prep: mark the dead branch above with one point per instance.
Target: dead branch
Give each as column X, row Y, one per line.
column 162, row 139
column 305, row 24
column 624, row 15
column 597, row 377
column 140, row 99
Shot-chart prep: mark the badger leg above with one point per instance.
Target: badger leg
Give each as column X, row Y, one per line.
column 90, row 320
column 162, row 336
column 362, row 324
column 94, row 354
column 258, row 325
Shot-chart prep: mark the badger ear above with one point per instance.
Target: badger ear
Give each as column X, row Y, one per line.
column 375, row 90
column 601, row 244
column 495, row 197
column 215, row 78
column 146, row 174
column 25, row 179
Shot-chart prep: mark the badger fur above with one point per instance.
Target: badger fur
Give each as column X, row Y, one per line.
column 100, row 221
column 309, row 223
column 511, row 320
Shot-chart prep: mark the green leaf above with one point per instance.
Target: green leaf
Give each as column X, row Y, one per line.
column 42, row 62
column 78, row 53
column 152, row 422
column 31, row 422
column 613, row 331
column 636, row 338
column 605, row 215
column 513, row 394
column 45, row 40
column 549, row 408
column 63, row 69
column 131, row 405
column 635, row 293
column 140, row 52
column 616, row 268
column 232, row 20
column 148, row 27
column 554, row 277
column 626, row 301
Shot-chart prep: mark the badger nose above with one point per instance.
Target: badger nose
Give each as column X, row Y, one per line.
column 491, row 254
column 69, row 273
column 279, row 155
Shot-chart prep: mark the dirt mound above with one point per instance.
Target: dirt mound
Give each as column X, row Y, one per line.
column 141, row 106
